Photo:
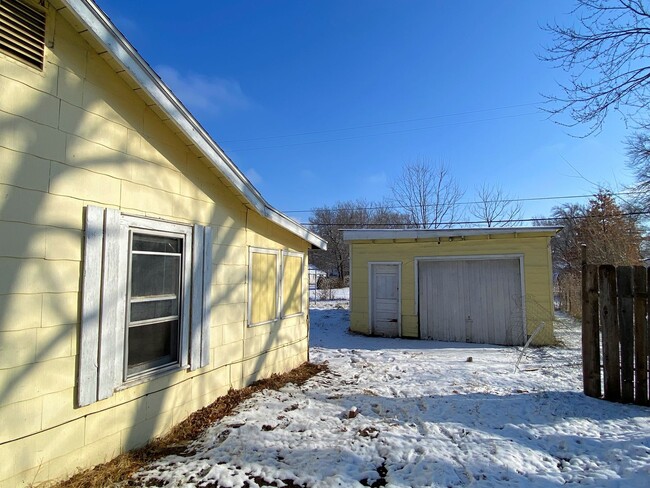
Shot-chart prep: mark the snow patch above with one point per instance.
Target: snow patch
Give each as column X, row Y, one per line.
column 408, row 413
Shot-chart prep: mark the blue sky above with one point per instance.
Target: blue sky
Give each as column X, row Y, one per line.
column 325, row 101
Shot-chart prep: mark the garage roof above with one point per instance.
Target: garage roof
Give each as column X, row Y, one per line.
column 350, row 235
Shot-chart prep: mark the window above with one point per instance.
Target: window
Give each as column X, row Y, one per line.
column 145, row 300
column 154, row 301
column 22, row 32
column 275, row 285
column 263, row 279
column 291, row 284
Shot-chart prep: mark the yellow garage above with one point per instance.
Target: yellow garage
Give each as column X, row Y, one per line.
column 487, row 285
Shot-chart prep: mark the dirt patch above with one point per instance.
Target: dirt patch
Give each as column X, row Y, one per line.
column 177, row 440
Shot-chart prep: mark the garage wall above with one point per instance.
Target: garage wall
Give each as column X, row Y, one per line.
column 535, row 248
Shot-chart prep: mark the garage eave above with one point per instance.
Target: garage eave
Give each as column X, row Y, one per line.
column 352, row 235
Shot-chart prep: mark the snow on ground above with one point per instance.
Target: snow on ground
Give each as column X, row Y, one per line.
column 408, row 413
column 329, row 295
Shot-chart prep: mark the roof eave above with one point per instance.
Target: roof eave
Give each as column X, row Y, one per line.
column 101, row 27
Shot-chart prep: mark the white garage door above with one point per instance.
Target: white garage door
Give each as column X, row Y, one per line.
column 471, row 300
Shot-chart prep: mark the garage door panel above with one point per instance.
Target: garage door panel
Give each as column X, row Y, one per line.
column 445, row 287
column 500, row 285
column 471, row 300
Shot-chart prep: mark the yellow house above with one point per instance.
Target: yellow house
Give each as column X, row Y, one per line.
column 141, row 274
column 487, row 285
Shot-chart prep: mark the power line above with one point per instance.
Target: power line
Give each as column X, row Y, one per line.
column 379, row 124
column 507, row 200
column 450, row 225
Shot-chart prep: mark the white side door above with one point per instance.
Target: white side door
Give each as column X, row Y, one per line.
column 385, row 299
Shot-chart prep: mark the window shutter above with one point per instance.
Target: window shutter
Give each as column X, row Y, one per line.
column 99, row 306
column 200, row 301
column 90, row 301
column 109, row 324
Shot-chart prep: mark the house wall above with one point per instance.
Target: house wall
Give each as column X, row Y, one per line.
column 537, row 274
column 76, row 134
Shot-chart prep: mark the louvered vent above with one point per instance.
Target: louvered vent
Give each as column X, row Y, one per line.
column 22, row 32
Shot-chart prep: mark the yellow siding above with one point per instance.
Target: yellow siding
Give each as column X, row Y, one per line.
column 537, row 275
column 77, row 134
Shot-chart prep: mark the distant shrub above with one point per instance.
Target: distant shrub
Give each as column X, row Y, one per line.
column 329, row 283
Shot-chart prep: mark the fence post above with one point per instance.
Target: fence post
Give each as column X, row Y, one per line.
column 641, row 334
column 626, row 328
column 611, row 337
column 590, row 332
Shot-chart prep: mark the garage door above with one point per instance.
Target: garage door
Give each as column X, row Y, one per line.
column 471, row 300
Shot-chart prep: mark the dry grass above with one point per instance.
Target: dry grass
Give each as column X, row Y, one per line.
column 177, row 440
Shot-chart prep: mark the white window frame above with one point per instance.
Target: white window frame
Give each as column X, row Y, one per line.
column 104, row 316
column 279, row 313
column 300, row 255
column 141, row 225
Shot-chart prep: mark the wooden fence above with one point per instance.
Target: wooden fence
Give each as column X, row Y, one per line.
column 615, row 322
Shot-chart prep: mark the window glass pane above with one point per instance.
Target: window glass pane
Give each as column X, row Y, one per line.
column 156, row 266
column 153, row 275
column 152, row 346
column 151, row 243
column 153, row 309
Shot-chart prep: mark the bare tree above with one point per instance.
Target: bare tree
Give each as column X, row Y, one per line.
column 606, row 53
column 328, row 222
column 428, row 194
column 566, row 251
column 565, row 246
column 638, row 153
column 496, row 208
column 611, row 235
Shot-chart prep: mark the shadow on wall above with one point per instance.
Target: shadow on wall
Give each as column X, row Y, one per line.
column 42, row 265
column 275, row 329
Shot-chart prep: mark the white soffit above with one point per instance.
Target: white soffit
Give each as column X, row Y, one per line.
column 102, row 29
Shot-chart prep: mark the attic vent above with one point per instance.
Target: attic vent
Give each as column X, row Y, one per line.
column 22, row 32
